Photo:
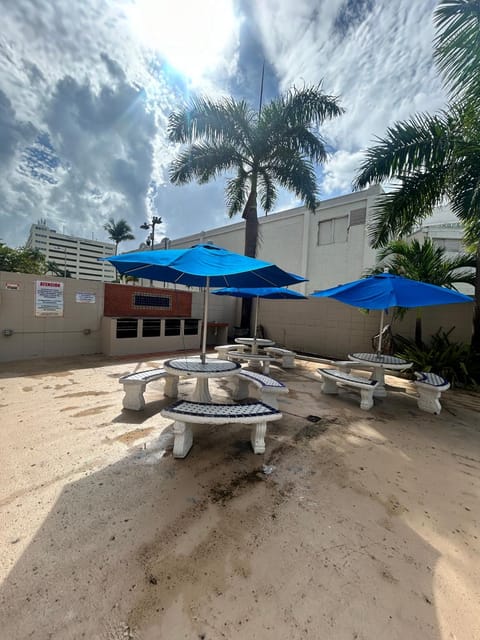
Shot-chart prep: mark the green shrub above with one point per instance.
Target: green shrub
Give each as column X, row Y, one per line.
column 455, row 361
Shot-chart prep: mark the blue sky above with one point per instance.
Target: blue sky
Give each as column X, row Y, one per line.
column 86, row 89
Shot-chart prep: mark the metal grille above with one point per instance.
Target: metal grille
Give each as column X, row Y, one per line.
column 151, row 301
column 358, row 216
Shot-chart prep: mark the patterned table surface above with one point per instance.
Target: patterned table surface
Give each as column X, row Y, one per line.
column 211, row 368
column 380, row 360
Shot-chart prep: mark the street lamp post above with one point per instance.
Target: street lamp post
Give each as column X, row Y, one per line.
column 151, row 225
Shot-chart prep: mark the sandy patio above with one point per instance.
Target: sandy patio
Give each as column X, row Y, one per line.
column 362, row 525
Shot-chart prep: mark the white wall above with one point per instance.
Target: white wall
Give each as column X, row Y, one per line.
column 332, row 329
column 289, row 239
column 77, row 332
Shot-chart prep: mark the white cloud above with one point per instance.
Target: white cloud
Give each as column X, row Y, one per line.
column 381, row 66
column 84, row 104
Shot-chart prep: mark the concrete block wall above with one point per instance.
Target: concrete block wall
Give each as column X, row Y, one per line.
column 332, row 329
column 78, row 331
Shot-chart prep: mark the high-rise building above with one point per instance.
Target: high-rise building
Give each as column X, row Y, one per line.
column 75, row 256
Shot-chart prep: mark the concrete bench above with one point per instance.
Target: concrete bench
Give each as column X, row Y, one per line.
column 429, row 388
column 286, row 357
column 332, row 378
column 185, row 413
column 223, row 349
column 134, row 385
column 268, row 387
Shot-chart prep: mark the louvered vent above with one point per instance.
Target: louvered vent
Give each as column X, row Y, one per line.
column 358, row 216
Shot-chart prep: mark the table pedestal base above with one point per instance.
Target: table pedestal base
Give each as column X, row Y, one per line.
column 202, row 392
column 379, row 375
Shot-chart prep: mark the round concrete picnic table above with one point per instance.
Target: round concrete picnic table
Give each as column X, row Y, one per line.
column 254, row 343
column 379, row 362
column 253, row 359
column 202, row 371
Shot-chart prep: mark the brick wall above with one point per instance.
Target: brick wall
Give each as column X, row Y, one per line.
column 126, row 300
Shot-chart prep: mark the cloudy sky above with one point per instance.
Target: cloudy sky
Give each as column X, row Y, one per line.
column 86, row 88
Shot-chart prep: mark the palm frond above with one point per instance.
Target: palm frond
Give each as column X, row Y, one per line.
column 295, row 174
column 457, row 46
column 266, row 190
column 202, row 161
column 309, row 105
column 422, row 141
column 236, row 192
column 212, row 120
column 397, row 212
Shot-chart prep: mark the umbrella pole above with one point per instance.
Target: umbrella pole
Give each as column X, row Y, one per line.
column 257, row 302
column 203, row 355
column 379, row 350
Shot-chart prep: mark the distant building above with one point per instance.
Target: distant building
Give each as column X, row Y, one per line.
column 78, row 256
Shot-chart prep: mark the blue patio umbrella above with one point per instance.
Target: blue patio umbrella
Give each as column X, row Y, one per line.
column 385, row 290
column 203, row 265
column 272, row 293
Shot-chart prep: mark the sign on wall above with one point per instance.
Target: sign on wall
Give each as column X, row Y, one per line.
column 84, row 296
column 48, row 298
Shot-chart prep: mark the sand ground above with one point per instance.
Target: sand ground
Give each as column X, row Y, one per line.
column 360, row 526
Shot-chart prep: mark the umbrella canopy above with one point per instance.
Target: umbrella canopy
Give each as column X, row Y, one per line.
column 272, row 293
column 385, row 290
column 203, row 265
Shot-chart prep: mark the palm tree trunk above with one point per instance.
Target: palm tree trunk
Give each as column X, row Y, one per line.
column 418, row 329
column 476, row 310
column 251, row 237
column 251, row 220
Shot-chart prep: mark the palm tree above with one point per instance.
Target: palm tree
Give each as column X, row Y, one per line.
column 425, row 262
column 276, row 146
column 435, row 158
column 118, row 231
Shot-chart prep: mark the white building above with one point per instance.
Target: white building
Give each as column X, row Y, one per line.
column 330, row 246
column 78, row 256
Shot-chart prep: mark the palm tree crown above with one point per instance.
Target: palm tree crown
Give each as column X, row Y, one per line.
column 426, row 262
column 118, row 231
column 277, row 146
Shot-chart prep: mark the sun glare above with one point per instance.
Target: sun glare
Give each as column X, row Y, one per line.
column 191, row 34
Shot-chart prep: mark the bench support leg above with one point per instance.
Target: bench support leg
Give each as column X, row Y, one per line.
column 288, row 362
column 257, row 437
column 329, row 386
column 240, row 390
column 429, row 400
column 183, row 439
column 133, row 398
column 171, row 387
column 269, row 398
column 266, row 367
column 366, row 401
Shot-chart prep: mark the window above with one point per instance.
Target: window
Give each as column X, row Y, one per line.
column 151, row 327
column 127, row 327
column 172, row 327
column 453, row 245
column 190, row 328
column 150, row 301
column 358, row 216
column 332, row 231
